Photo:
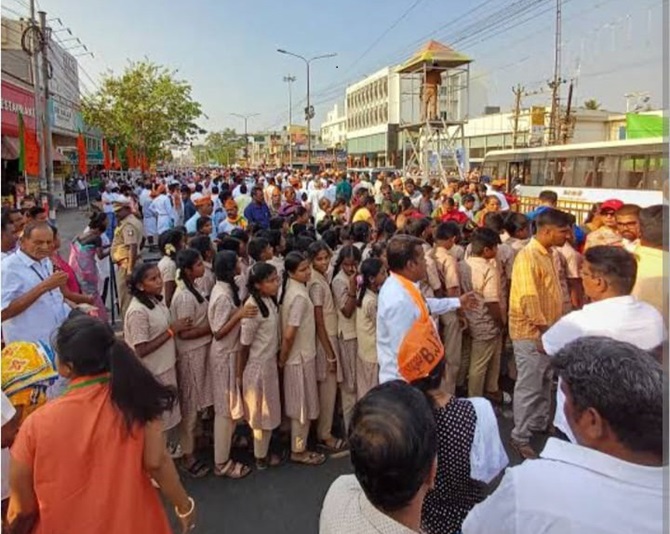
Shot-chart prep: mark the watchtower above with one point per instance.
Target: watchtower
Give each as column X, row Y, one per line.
column 434, row 100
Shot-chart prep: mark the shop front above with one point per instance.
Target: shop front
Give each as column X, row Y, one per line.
column 15, row 100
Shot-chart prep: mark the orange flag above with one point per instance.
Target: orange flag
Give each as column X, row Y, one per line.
column 116, row 163
column 81, row 152
column 107, row 164
column 130, row 157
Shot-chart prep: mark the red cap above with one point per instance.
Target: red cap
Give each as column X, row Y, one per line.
column 612, row 204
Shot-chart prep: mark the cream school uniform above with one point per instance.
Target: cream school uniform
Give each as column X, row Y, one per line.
column 367, row 366
column 320, row 295
column 301, row 397
column 260, row 381
column 223, row 355
column 195, row 381
column 346, row 331
column 141, row 325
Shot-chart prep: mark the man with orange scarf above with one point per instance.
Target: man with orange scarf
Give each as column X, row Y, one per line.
column 233, row 220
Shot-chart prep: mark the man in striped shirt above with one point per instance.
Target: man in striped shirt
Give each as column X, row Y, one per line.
column 536, row 303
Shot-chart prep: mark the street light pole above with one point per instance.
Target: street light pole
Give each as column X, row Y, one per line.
column 289, row 79
column 245, row 118
column 309, row 112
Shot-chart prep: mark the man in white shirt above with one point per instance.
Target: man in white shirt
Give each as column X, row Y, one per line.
column 397, row 312
column 611, row 480
column 32, row 303
column 608, row 277
column 393, row 447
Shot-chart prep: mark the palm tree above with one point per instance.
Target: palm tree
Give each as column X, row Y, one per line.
column 592, row 104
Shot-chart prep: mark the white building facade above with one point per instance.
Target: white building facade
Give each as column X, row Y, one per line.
column 372, row 119
column 334, row 128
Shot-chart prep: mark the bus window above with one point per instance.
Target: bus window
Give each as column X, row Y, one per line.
column 633, row 169
column 549, row 172
column 564, row 174
column 606, row 172
column 536, row 172
column 583, row 172
column 657, row 166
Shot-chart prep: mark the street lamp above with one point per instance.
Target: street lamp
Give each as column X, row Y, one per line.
column 289, row 80
column 246, row 134
column 309, row 110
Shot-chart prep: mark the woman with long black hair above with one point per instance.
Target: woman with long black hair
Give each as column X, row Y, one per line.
column 195, row 381
column 147, row 328
column 297, row 357
column 169, row 243
column 104, row 432
column 257, row 367
column 225, row 315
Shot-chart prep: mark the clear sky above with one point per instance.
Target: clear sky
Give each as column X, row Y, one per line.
column 227, row 49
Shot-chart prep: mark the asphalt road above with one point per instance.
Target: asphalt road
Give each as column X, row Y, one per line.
column 283, row 500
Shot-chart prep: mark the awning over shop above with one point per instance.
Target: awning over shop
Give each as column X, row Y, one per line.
column 57, row 156
column 10, row 147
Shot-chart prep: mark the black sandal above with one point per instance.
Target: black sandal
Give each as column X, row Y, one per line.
column 339, row 446
column 197, row 469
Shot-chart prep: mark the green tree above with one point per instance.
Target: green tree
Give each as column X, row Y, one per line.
column 592, row 104
column 221, row 146
column 146, row 108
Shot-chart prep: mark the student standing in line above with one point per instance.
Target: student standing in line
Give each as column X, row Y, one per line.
column 297, row 357
column 225, row 314
column 344, row 288
column 257, row 369
column 192, row 355
column 148, row 329
column 169, row 243
column 373, row 274
column 478, row 273
column 204, row 245
column 328, row 368
column 452, row 322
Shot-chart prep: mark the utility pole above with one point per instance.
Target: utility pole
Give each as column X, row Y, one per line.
column 567, row 128
column 309, row 110
column 246, row 134
column 555, row 84
column 518, row 93
column 49, row 166
column 36, row 49
column 289, row 80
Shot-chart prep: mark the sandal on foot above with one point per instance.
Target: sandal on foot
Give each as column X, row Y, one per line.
column 271, row 460
column 197, row 469
column 337, row 445
column 231, row 469
column 308, row 458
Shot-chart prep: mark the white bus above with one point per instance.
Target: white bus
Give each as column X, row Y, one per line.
column 634, row 171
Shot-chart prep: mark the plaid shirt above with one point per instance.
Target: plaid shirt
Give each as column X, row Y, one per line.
column 536, row 298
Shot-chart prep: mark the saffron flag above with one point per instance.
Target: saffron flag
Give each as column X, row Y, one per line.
column 116, row 163
column 130, row 158
column 22, row 144
column 81, row 152
column 106, row 163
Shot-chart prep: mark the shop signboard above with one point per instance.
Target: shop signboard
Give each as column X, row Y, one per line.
column 16, row 100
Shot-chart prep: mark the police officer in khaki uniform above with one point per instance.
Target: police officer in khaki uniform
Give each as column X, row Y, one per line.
column 126, row 249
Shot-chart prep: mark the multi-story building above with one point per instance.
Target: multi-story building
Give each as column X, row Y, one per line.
column 334, row 128
column 372, row 119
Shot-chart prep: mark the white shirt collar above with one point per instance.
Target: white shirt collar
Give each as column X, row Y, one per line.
column 603, row 464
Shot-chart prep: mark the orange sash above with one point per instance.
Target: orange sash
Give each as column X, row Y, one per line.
column 421, row 348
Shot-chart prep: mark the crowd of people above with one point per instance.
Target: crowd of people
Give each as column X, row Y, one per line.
column 300, row 315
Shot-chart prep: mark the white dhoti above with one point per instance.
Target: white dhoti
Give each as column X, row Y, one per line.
column 164, row 223
column 150, row 226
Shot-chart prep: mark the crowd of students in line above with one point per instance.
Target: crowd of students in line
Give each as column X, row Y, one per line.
column 263, row 330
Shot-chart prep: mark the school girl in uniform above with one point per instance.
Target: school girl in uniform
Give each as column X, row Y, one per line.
column 344, row 287
column 169, row 243
column 373, row 275
column 259, row 339
column 328, row 369
column 193, row 344
column 361, row 234
column 297, row 357
column 149, row 330
column 225, row 314
column 205, row 284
